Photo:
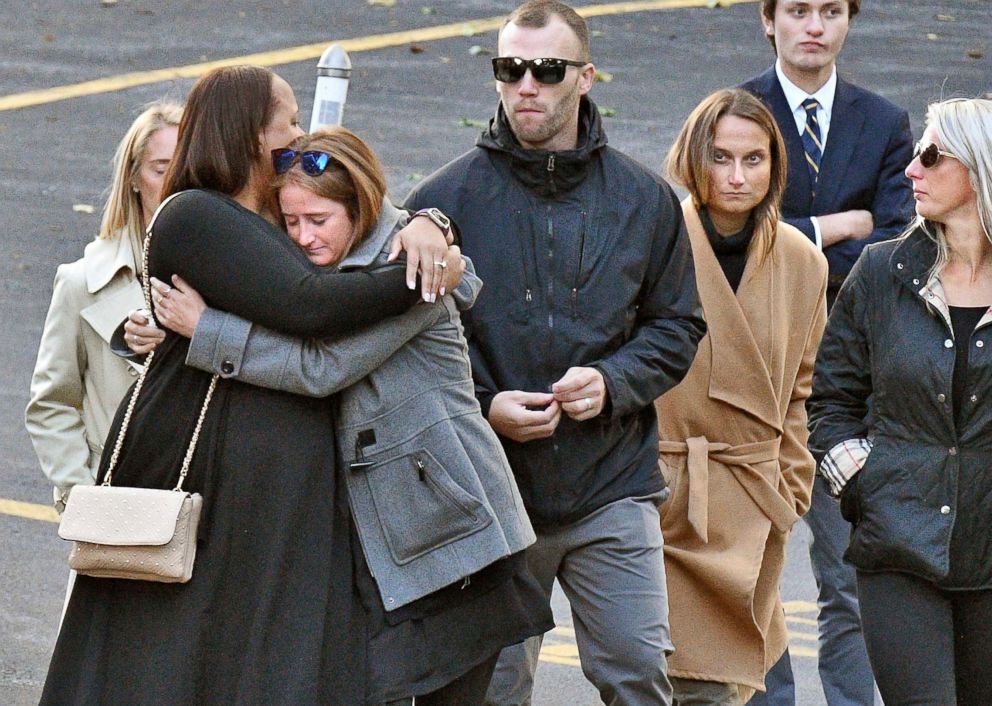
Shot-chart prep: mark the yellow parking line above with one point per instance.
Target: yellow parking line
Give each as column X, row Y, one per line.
column 32, row 511
column 312, row 51
column 792, row 607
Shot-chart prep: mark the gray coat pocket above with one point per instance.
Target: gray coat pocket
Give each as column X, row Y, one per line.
column 419, row 505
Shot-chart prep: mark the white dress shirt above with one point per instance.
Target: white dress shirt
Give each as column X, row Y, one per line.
column 795, row 96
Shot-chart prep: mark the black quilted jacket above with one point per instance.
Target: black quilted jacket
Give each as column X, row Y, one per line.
column 922, row 503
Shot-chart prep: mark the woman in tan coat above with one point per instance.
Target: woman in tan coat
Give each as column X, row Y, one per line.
column 78, row 382
column 733, row 433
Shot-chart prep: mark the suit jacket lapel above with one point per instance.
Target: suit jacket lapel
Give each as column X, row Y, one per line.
column 799, row 190
column 738, row 371
column 845, row 128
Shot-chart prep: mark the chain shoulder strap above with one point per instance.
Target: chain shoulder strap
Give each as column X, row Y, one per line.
column 118, row 444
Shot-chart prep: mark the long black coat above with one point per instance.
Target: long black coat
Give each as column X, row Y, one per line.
column 922, row 503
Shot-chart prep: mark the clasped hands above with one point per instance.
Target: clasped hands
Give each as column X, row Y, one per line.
column 525, row 416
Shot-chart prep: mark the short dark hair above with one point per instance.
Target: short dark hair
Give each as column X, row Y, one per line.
column 536, row 14
column 768, row 12
column 218, row 143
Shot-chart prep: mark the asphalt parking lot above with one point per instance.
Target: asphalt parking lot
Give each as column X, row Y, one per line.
column 73, row 75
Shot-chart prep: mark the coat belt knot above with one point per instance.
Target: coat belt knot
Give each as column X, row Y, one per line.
column 739, row 460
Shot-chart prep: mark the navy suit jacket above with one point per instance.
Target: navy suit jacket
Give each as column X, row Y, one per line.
column 869, row 144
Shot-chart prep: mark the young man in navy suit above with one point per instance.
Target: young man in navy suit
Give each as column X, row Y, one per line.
column 847, row 149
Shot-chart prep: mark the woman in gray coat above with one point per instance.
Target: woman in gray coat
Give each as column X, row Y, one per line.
column 438, row 515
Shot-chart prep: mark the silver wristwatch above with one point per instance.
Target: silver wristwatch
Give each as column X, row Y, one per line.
column 437, row 217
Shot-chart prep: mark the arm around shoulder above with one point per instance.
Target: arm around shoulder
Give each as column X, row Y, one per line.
column 242, row 264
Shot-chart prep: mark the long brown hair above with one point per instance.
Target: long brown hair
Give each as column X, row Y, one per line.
column 689, row 159
column 218, row 142
column 354, row 177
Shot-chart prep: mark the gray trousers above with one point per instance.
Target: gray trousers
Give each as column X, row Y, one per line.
column 611, row 567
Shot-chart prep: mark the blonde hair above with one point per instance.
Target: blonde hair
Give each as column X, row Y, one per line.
column 689, row 159
column 964, row 128
column 122, row 214
column 353, row 177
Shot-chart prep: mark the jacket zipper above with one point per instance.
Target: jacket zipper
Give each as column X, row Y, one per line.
column 578, row 271
column 551, row 173
column 551, row 261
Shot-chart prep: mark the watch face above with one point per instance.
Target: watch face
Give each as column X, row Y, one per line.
column 442, row 220
column 436, row 215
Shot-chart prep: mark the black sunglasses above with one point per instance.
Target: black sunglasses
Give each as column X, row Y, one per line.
column 510, row 69
column 314, row 163
column 929, row 155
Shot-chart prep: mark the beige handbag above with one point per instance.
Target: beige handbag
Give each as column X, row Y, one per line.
column 135, row 533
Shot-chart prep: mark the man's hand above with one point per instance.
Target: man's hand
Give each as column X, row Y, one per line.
column 524, row 416
column 846, row 225
column 178, row 307
column 581, row 392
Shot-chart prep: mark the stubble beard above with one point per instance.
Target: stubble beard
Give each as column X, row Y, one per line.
column 552, row 123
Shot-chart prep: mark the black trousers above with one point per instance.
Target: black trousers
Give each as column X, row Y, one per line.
column 467, row 690
column 927, row 646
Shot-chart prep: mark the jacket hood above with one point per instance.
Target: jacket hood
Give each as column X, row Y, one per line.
column 546, row 172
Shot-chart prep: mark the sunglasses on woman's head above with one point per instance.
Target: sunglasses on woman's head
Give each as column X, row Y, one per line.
column 314, row 163
column 930, row 155
column 510, row 69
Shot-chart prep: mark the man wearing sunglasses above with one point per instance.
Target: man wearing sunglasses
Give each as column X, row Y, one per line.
column 588, row 313
column 847, row 149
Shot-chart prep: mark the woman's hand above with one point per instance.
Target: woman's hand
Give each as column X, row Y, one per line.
column 178, row 307
column 429, row 252
column 141, row 334
column 454, row 269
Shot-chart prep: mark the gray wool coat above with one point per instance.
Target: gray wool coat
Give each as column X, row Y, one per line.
column 431, row 491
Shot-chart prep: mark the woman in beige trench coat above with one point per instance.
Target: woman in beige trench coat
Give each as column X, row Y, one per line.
column 77, row 382
column 733, row 433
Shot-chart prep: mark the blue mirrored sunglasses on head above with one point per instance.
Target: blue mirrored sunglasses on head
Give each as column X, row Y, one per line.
column 313, row 163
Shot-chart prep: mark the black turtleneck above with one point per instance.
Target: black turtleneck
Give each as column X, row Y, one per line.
column 730, row 250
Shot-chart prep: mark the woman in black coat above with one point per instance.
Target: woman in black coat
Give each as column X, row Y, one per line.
column 272, row 614
column 901, row 423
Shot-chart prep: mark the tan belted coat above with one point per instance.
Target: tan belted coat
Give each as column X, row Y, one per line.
column 733, row 449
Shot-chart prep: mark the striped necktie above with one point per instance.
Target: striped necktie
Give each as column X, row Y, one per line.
column 812, row 144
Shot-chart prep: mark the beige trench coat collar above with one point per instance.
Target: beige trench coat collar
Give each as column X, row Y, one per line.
column 738, row 331
column 103, row 260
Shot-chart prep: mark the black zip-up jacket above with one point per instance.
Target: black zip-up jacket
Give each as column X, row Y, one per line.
column 585, row 262
column 922, row 501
